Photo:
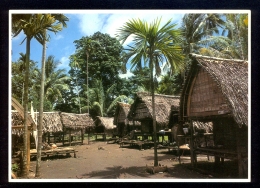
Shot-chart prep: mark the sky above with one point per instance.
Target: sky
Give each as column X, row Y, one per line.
column 84, row 23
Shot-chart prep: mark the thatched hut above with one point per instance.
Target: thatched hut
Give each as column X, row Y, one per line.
column 51, row 122
column 141, row 110
column 17, row 118
column 105, row 125
column 75, row 124
column 216, row 90
column 123, row 124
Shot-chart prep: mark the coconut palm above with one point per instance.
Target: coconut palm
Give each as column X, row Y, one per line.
column 62, row 21
column 153, row 44
column 33, row 26
column 237, row 32
column 198, row 30
column 55, row 80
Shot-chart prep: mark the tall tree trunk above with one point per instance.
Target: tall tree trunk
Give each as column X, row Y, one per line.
column 39, row 148
column 153, row 114
column 25, row 169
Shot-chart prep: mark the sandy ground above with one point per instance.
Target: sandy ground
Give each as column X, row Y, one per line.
column 112, row 162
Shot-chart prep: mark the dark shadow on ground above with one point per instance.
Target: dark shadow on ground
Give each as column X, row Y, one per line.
column 176, row 172
column 228, row 170
column 115, row 171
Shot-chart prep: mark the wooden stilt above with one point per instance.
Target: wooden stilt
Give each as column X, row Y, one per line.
column 63, row 138
column 82, row 137
column 28, row 150
column 191, row 144
column 239, row 157
column 70, row 137
column 88, row 134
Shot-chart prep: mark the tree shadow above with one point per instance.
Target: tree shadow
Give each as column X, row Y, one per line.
column 115, row 172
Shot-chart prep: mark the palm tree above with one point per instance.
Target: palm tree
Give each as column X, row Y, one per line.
column 237, row 32
column 33, row 26
column 55, row 80
column 62, row 21
column 75, row 68
column 154, row 45
column 198, row 30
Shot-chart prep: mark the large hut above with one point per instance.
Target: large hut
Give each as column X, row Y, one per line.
column 141, row 110
column 75, row 124
column 216, row 90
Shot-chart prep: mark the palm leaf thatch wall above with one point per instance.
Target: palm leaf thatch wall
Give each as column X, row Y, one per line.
column 141, row 109
column 121, row 113
column 17, row 121
column 76, row 121
column 217, row 90
column 19, row 109
column 216, row 87
column 124, row 125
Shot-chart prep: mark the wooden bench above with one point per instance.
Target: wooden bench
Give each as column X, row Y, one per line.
column 54, row 152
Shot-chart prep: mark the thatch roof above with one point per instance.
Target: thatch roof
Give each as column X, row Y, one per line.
column 142, row 107
column 232, row 79
column 107, row 122
column 121, row 113
column 51, row 122
column 76, row 121
column 16, row 120
column 19, row 108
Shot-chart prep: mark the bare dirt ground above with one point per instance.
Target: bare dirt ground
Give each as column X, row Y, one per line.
column 113, row 162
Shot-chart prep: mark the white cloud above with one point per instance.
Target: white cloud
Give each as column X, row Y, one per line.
column 127, row 75
column 110, row 22
column 64, row 63
column 58, row 37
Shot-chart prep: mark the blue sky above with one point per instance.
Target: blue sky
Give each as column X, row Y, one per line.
column 84, row 23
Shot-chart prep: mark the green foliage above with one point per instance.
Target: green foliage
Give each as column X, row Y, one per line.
column 153, row 45
column 15, row 167
column 17, row 78
column 104, row 64
column 170, row 84
column 55, row 83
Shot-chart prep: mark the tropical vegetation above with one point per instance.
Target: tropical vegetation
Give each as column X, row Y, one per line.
column 157, row 57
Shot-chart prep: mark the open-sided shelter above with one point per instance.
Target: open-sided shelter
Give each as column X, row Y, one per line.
column 216, row 90
column 73, row 123
column 141, row 110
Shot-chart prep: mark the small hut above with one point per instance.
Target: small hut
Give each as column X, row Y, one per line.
column 123, row 124
column 216, row 90
column 104, row 126
column 51, row 126
column 141, row 110
column 75, row 124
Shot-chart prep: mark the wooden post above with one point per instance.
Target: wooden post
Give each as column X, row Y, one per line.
column 70, row 137
column 88, row 134
column 191, row 143
column 28, row 150
column 48, row 137
column 63, row 138
column 239, row 157
column 82, row 136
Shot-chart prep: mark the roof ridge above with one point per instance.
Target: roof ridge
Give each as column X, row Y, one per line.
column 216, row 58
